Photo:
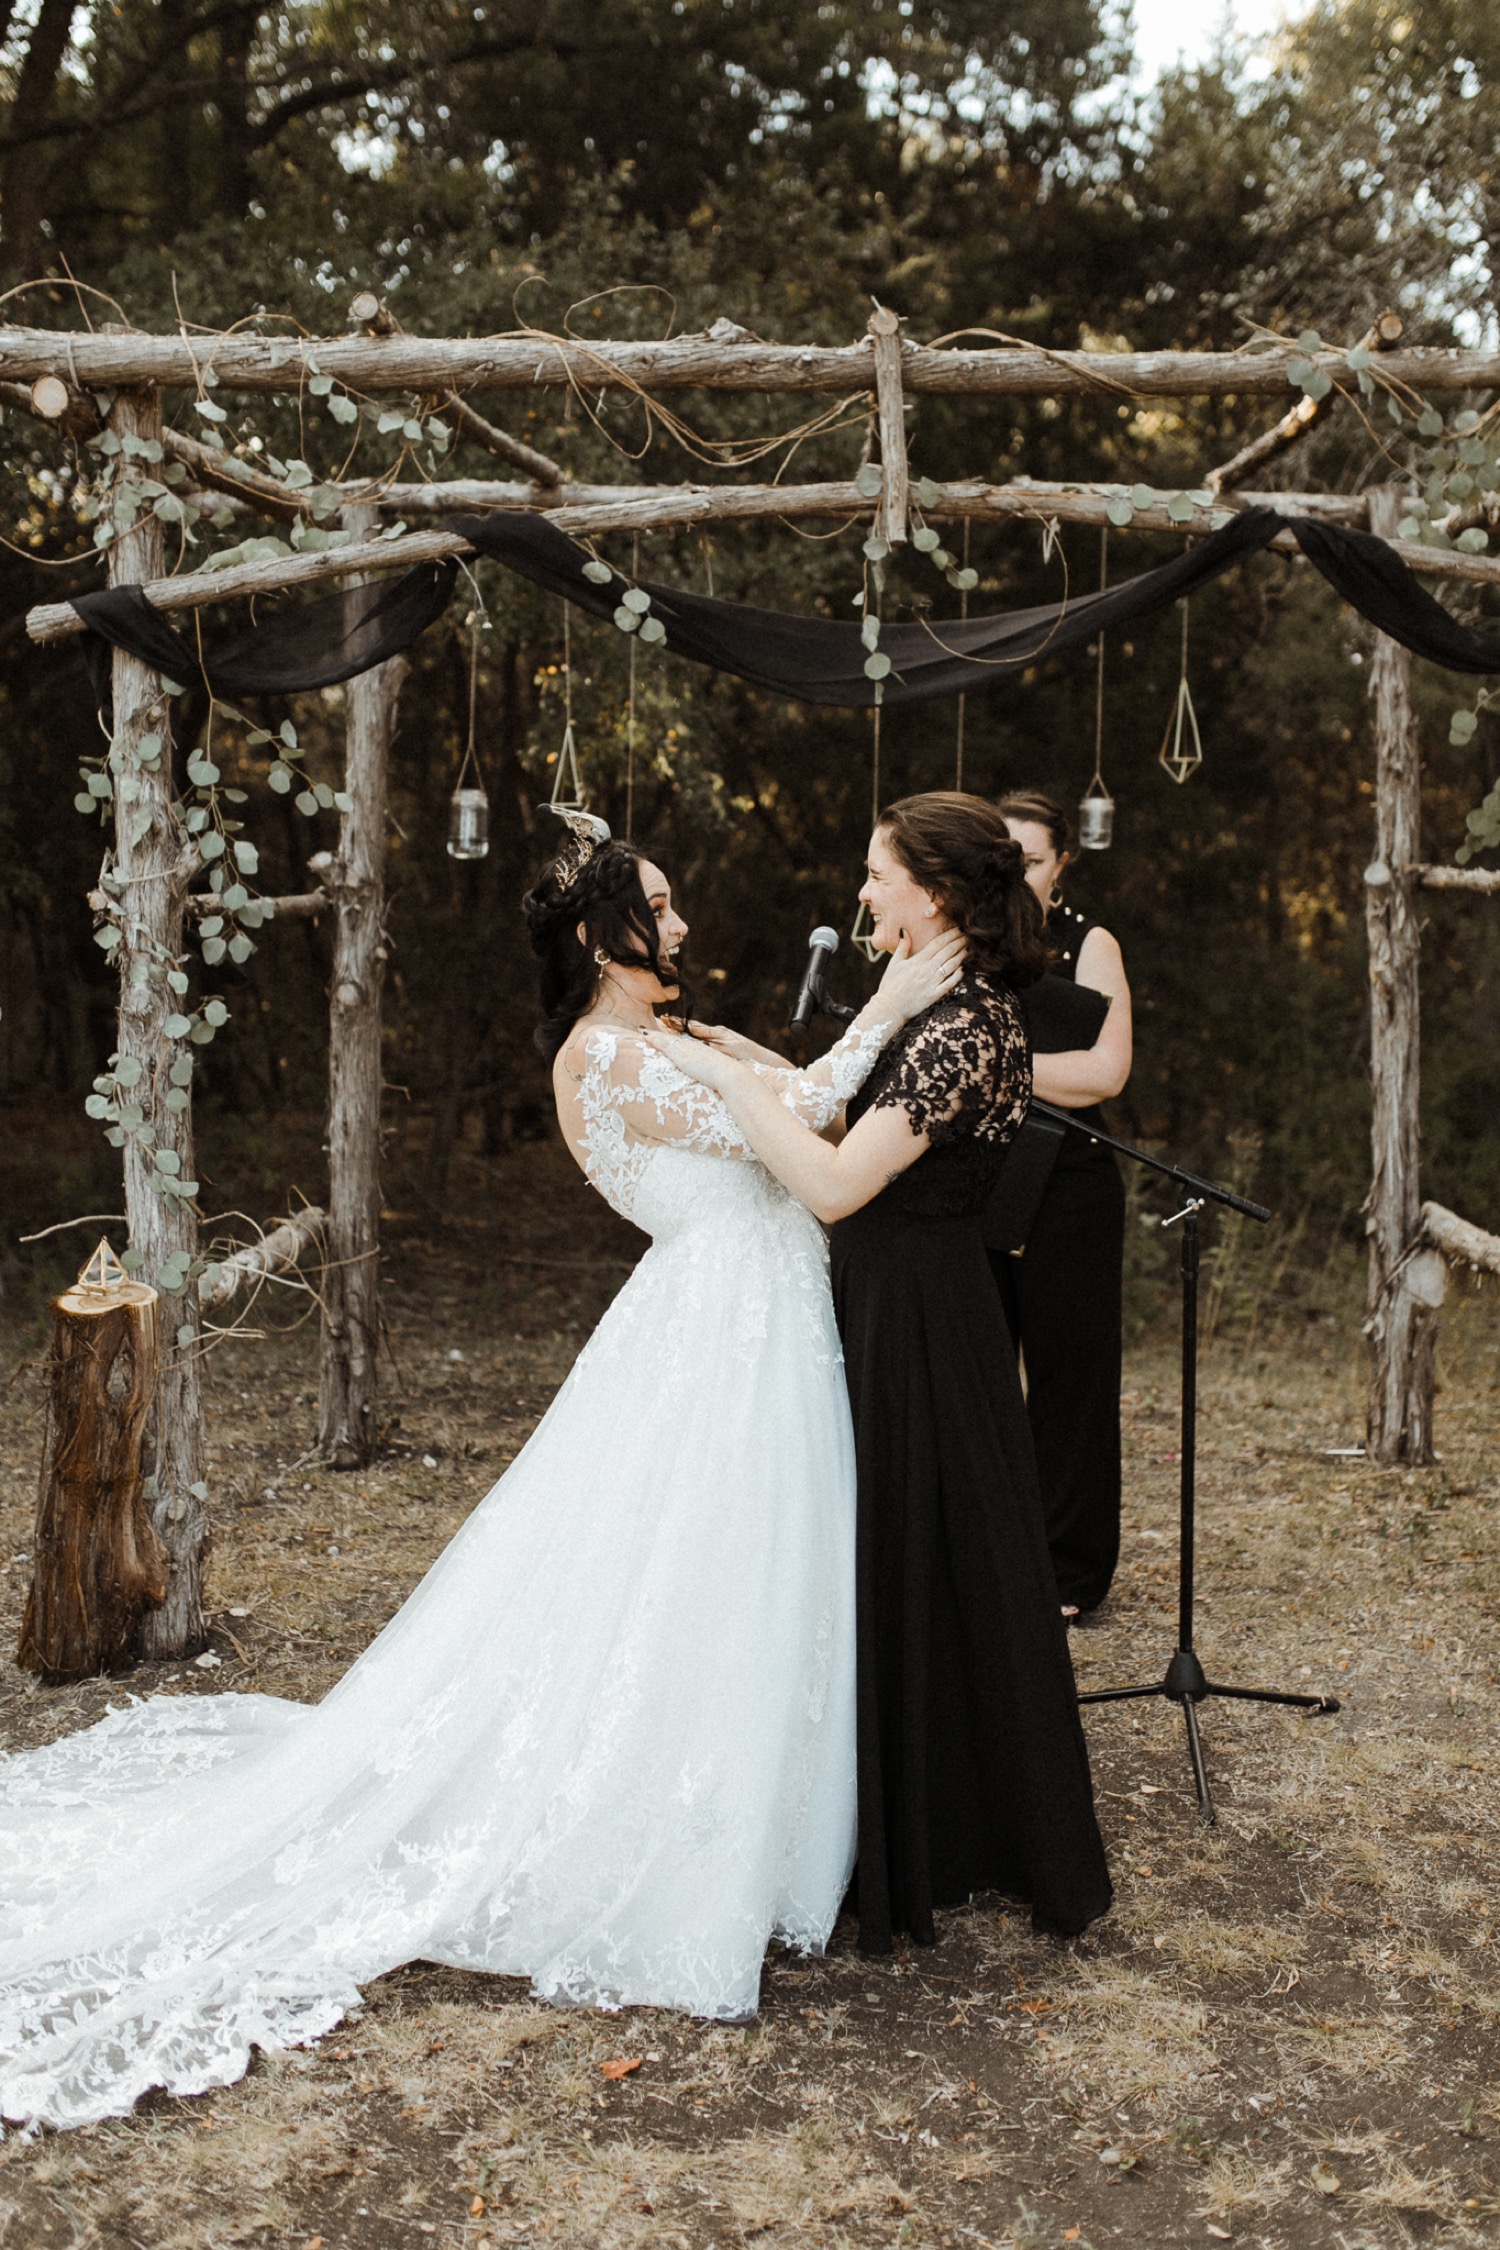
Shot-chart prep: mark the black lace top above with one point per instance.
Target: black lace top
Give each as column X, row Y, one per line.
column 962, row 1073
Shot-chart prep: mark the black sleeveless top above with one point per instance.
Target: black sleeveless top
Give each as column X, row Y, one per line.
column 1067, row 929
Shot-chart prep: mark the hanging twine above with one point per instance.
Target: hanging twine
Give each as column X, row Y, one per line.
column 635, row 575
column 471, row 753
column 567, row 756
column 1098, row 780
column 963, row 611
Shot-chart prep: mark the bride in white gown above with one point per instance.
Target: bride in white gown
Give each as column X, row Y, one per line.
column 608, row 1743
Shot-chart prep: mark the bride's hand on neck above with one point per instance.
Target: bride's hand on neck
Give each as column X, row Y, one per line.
column 914, row 981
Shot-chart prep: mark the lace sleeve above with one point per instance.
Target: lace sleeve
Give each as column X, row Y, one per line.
column 963, row 1069
column 817, row 1094
column 630, row 1089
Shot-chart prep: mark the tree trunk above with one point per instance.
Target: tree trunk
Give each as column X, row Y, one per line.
column 99, row 1564
column 154, row 869
column 348, row 1388
column 1402, row 1321
column 25, row 176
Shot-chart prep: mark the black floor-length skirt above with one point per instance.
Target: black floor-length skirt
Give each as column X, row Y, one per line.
column 973, row 1772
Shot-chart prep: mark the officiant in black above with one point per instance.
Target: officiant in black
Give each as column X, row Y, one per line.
column 1057, row 1247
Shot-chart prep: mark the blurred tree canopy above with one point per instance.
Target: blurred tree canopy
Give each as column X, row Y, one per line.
column 654, row 166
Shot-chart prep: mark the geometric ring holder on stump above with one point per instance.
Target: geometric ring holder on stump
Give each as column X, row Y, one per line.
column 98, row 1564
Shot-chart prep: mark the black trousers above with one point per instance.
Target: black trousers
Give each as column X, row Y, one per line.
column 1062, row 1300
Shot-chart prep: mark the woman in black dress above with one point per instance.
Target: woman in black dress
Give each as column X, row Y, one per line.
column 973, row 1774
column 1062, row 1296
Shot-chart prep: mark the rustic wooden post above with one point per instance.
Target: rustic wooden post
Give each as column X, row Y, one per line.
column 890, row 410
column 355, row 879
column 99, row 1565
column 1405, row 1278
column 154, row 863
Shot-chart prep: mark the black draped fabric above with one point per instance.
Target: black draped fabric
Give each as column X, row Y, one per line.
column 973, row 1772
column 809, row 659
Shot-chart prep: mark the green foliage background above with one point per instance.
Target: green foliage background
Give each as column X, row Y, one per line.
column 659, row 165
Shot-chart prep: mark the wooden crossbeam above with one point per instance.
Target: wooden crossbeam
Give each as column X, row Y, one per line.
column 119, row 358
column 678, row 506
column 1485, row 880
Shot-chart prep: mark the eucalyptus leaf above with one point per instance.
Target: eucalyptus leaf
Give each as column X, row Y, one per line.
column 177, row 1026
column 626, row 619
column 597, row 573
column 280, row 778
column 306, row 802
column 343, row 409
column 636, row 598
column 652, row 629
column 924, row 540
column 929, row 493
column 1120, row 513
column 240, row 949
column 869, row 480
column 181, row 1072
column 1429, row 423
column 214, row 950
column 877, row 666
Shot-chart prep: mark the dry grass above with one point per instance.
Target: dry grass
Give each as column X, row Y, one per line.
column 1288, row 2031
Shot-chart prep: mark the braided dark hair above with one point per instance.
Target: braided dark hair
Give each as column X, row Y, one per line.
column 606, row 897
column 959, row 848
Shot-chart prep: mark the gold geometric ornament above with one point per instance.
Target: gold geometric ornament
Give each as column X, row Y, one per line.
column 1181, row 750
column 102, row 1271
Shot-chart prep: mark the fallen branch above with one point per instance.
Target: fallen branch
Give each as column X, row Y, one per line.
column 283, row 1247
column 1459, row 1240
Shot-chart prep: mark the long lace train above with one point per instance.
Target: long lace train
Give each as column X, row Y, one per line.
column 608, row 1743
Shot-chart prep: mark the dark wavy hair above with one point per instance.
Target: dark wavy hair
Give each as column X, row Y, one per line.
column 606, row 897
column 959, row 848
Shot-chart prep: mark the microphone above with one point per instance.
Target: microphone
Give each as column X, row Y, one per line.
column 822, row 946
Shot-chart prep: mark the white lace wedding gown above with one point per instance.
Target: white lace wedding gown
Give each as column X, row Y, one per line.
column 607, row 1744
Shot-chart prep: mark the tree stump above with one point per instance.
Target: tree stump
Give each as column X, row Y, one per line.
column 99, row 1565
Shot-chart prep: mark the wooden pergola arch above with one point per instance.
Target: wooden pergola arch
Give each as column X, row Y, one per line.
column 78, row 383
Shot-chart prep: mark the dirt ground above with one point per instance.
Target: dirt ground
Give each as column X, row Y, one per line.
column 1286, row 2034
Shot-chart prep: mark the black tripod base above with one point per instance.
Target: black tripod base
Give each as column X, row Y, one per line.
column 1187, row 1683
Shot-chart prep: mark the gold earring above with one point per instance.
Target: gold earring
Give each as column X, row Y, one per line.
column 1054, row 896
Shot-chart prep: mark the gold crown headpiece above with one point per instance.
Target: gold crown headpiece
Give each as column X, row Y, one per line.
column 587, row 832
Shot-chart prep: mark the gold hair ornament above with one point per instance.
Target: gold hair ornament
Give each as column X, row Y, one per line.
column 587, row 832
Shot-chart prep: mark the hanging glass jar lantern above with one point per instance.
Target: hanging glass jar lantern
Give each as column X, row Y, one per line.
column 469, row 806
column 1096, row 810
column 1096, row 818
column 468, row 824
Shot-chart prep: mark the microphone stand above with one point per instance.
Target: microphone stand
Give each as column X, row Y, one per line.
column 1185, row 1681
